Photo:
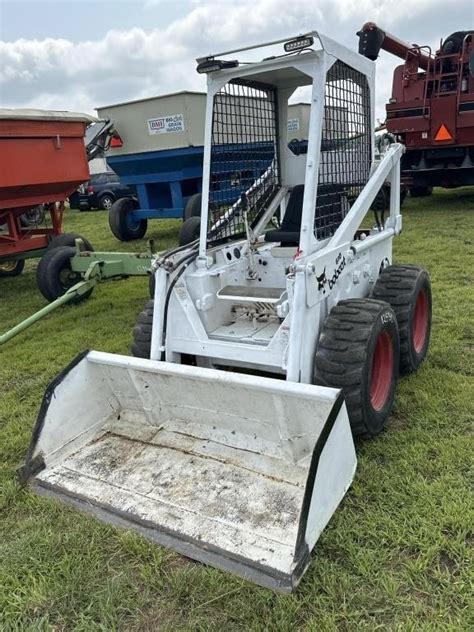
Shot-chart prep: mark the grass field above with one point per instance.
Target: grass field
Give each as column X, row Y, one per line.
column 397, row 555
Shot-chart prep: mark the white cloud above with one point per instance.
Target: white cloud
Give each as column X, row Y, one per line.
column 57, row 73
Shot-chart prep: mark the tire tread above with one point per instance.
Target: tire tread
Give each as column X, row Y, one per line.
column 142, row 332
column 342, row 353
column 395, row 285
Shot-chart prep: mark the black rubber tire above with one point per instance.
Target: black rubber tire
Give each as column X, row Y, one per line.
column 33, row 217
column 189, row 231
column 54, row 276
column 151, row 285
column 421, row 191
column 344, row 359
column 400, row 286
column 141, row 346
column 118, row 223
column 69, row 239
column 193, row 207
column 12, row 268
column 106, row 201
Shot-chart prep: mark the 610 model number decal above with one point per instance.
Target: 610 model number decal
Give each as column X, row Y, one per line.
column 324, row 281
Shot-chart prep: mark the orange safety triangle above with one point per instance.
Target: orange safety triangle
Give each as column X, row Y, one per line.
column 443, row 133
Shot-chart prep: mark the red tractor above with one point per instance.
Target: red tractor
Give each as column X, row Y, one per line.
column 431, row 110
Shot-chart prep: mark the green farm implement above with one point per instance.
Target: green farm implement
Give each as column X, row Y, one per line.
column 68, row 275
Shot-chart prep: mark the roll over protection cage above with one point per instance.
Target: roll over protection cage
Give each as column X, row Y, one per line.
column 331, row 62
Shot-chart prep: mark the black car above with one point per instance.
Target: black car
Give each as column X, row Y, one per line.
column 100, row 191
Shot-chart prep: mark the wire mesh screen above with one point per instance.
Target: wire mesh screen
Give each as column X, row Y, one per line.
column 345, row 147
column 244, row 173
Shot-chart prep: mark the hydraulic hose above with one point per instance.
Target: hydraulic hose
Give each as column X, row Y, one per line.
column 184, row 262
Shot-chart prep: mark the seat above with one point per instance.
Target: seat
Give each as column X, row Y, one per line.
column 330, row 212
column 289, row 232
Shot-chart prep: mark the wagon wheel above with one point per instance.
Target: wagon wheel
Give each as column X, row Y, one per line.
column 34, row 216
column 121, row 222
column 190, row 230
column 69, row 239
column 55, row 276
column 11, row 268
column 193, row 207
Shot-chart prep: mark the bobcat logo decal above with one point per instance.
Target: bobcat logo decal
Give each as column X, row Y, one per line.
column 323, row 280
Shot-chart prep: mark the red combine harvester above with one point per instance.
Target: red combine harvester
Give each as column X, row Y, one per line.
column 43, row 159
column 431, row 110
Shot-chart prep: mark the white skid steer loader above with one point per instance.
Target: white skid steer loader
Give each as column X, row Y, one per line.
column 272, row 338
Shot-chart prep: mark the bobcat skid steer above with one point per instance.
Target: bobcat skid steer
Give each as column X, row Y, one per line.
column 272, row 338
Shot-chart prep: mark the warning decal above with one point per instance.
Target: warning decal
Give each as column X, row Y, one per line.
column 166, row 124
column 443, row 134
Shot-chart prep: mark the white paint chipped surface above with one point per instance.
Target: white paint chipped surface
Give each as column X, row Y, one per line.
column 214, row 458
column 203, row 498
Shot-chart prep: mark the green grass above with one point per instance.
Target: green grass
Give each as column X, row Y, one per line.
column 397, row 555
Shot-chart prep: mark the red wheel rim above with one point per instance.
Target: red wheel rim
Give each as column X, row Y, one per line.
column 382, row 371
column 420, row 321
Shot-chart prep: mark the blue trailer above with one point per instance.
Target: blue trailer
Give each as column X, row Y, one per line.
column 159, row 153
column 163, row 181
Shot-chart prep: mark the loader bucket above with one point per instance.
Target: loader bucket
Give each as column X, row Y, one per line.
column 238, row 471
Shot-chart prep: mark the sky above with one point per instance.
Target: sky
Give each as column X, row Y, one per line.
column 81, row 54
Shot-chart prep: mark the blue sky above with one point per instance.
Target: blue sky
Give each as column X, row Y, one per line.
column 80, row 54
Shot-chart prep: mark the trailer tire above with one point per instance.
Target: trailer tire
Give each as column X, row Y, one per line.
column 189, row 231
column 54, row 275
column 407, row 289
column 193, row 207
column 33, row 217
column 69, row 239
column 141, row 347
column 121, row 225
column 358, row 352
column 11, row 267
column 416, row 192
